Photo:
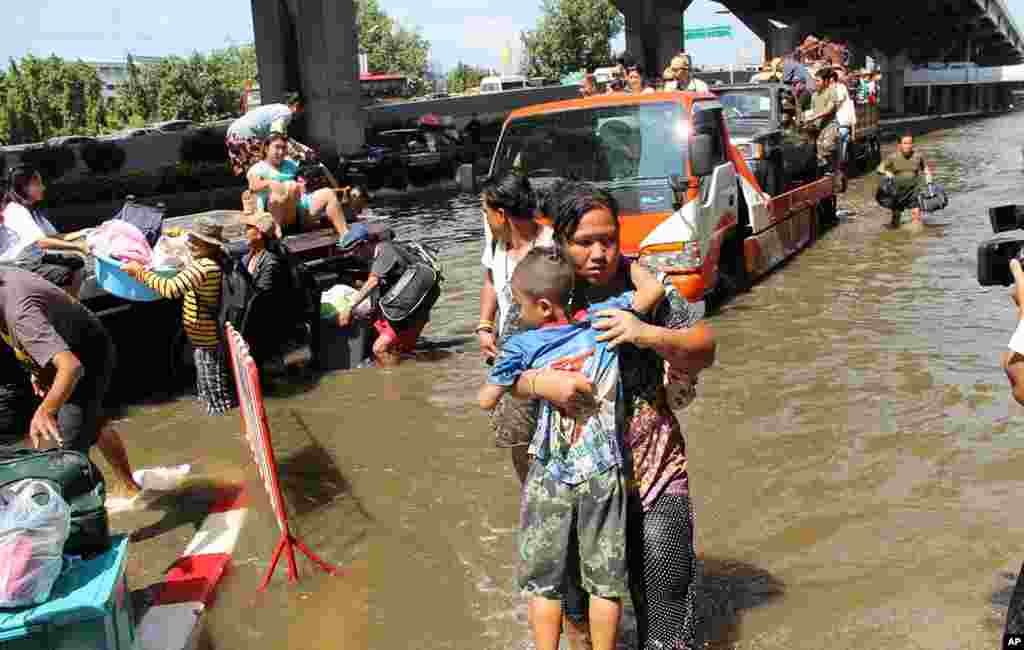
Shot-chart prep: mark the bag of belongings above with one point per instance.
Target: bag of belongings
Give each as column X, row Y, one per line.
column 34, row 525
column 933, row 198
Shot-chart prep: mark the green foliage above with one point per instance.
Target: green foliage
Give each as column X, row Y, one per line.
column 43, row 98
column 391, row 48
column 464, row 77
column 571, row 35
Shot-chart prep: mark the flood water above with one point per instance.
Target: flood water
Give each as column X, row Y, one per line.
column 855, row 455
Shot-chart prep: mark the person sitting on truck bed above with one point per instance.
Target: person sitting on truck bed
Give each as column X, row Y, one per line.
column 28, row 239
column 248, row 135
column 683, row 81
column 200, row 285
column 273, row 181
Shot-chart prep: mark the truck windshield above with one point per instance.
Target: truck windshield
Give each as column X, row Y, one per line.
column 513, row 85
column 600, row 145
column 746, row 104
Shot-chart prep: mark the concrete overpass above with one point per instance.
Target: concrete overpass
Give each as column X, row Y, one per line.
column 311, row 45
column 895, row 33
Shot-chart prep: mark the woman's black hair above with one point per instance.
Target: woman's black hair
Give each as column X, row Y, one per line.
column 18, row 179
column 277, row 135
column 577, row 201
column 294, row 98
column 511, row 193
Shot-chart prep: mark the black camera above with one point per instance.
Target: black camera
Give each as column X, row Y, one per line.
column 994, row 254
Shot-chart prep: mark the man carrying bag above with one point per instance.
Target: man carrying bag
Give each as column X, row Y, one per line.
column 407, row 282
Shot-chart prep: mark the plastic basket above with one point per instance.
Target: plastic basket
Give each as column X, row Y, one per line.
column 112, row 279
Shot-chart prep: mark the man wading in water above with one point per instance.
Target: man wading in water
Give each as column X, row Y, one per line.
column 905, row 166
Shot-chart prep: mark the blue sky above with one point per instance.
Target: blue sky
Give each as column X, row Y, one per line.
column 474, row 31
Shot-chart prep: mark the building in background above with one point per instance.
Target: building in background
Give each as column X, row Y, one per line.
column 114, row 74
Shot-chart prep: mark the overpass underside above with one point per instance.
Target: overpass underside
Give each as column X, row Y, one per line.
column 894, row 33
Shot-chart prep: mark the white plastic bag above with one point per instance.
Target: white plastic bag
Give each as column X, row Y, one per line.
column 171, row 253
column 340, row 297
column 35, row 522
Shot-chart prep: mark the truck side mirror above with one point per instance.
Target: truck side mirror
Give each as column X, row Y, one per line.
column 702, row 157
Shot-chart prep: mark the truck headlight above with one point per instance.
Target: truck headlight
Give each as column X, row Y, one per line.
column 683, row 257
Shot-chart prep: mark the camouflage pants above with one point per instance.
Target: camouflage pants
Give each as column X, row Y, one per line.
column 560, row 521
column 828, row 140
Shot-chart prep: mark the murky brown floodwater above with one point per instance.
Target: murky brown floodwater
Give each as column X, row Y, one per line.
column 855, row 455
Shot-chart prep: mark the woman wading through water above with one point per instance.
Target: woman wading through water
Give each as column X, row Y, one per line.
column 510, row 232
column 674, row 343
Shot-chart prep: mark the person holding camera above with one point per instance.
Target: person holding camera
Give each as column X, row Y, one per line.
column 905, row 166
column 1013, row 365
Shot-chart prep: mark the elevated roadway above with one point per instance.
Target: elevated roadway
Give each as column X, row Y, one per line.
column 311, row 45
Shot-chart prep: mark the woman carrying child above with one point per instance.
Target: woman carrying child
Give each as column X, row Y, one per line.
column 671, row 341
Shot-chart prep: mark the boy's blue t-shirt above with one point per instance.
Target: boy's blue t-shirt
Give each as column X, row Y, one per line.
column 572, row 450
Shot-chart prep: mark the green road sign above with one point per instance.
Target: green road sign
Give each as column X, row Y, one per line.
column 718, row 31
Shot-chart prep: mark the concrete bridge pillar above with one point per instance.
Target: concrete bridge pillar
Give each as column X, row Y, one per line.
column 654, row 32
column 312, row 46
column 893, row 68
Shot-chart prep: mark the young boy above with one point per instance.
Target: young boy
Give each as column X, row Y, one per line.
column 575, row 486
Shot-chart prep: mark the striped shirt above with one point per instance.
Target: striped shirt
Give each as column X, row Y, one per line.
column 199, row 283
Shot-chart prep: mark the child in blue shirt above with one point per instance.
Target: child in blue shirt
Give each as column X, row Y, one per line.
column 575, row 487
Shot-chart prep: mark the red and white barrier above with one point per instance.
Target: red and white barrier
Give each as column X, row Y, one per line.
column 188, row 588
column 257, row 433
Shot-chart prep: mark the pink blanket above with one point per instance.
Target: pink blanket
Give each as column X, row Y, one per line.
column 121, row 240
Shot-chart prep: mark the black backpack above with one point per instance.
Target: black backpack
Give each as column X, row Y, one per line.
column 417, row 289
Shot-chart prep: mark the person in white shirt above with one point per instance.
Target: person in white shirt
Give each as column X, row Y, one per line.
column 29, row 240
column 510, row 232
column 1013, row 359
column 846, row 117
column 681, row 68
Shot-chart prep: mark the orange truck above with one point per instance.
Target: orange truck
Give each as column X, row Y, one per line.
column 689, row 203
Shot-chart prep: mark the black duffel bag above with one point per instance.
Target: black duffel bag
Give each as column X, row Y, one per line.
column 933, row 198
column 78, row 481
column 413, row 291
column 886, row 193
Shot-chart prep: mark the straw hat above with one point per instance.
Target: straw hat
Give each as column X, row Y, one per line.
column 207, row 230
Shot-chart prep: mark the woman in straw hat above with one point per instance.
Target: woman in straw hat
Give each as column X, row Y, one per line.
column 199, row 285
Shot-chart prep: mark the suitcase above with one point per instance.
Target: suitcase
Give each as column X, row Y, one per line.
column 933, row 198
column 79, row 482
column 89, row 609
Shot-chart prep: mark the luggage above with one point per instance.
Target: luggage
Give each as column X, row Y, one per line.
column 146, row 218
column 34, row 525
column 886, row 194
column 79, row 482
column 90, row 608
column 421, row 276
column 933, row 198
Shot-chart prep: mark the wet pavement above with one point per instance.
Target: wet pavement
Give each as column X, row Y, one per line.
column 855, row 456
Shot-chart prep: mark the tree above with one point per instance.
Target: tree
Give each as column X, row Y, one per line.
column 463, row 77
column 571, row 35
column 390, row 47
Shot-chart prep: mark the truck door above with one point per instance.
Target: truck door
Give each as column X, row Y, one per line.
column 717, row 204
